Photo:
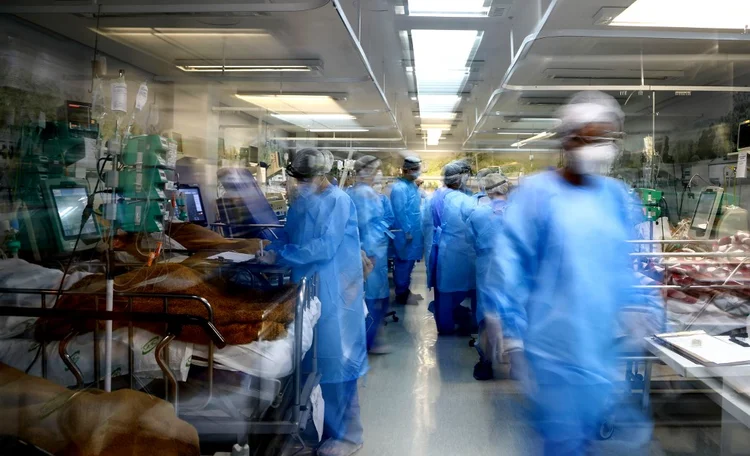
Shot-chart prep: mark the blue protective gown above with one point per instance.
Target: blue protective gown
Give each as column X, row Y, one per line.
column 373, row 234
column 436, row 213
column 456, row 257
column 323, row 238
column 485, row 229
column 407, row 202
column 566, row 274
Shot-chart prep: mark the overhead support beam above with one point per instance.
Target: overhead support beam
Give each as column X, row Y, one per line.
column 365, row 61
column 30, row 7
column 522, row 52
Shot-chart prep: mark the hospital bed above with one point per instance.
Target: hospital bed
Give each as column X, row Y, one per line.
column 708, row 290
column 220, row 389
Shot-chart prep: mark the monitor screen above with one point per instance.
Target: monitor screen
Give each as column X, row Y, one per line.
column 70, row 203
column 743, row 137
column 194, row 204
column 707, row 205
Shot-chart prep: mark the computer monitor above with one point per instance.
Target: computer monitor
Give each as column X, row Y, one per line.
column 51, row 224
column 743, row 136
column 705, row 213
column 194, row 204
column 69, row 205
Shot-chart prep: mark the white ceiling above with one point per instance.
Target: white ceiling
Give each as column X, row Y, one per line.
column 569, row 49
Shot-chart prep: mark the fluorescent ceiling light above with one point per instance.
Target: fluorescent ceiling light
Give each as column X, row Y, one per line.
column 438, row 115
column 248, row 66
column 689, row 14
column 442, row 60
column 338, row 130
column 315, row 116
column 539, row 137
column 197, row 32
column 433, row 136
column 450, row 8
column 295, row 103
column 243, row 69
column 320, row 121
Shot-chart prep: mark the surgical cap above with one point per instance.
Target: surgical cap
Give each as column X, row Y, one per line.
column 307, row 163
column 412, row 163
column 495, row 184
column 453, row 171
column 329, row 160
column 465, row 166
column 586, row 108
column 366, row 165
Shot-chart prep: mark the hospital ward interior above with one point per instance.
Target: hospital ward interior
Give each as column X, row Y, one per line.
column 374, row 227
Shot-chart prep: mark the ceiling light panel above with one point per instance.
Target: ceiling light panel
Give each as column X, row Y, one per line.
column 442, row 60
column 688, row 14
column 328, row 122
column 450, row 8
column 249, row 66
column 294, row 103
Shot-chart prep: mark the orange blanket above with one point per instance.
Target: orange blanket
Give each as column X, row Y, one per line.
column 91, row 422
column 241, row 318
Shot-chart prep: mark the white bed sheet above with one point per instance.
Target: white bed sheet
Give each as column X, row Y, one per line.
column 266, row 359
column 19, row 353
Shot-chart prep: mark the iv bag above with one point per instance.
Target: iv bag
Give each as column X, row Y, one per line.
column 142, row 97
column 119, row 90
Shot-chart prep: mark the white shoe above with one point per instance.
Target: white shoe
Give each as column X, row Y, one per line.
column 333, row 447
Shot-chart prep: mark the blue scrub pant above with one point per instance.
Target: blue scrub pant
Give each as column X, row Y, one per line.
column 433, row 266
column 378, row 308
column 341, row 420
column 402, row 274
column 448, row 311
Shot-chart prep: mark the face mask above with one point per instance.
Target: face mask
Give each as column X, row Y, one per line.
column 593, row 159
column 416, row 174
column 464, row 180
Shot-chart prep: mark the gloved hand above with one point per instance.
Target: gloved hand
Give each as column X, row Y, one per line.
column 266, row 257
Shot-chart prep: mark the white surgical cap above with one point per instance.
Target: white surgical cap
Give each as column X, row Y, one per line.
column 587, row 108
column 452, row 172
column 366, row 165
column 328, row 160
column 307, row 163
column 495, row 184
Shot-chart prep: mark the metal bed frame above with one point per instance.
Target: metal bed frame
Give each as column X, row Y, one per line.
column 295, row 418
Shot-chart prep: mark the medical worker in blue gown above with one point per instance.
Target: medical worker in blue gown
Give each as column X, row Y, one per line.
column 323, row 237
column 455, row 291
column 435, row 206
column 485, row 229
column 566, row 274
column 375, row 219
column 406, row 201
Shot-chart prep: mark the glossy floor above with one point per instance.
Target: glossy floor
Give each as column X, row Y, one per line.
column 422, row 400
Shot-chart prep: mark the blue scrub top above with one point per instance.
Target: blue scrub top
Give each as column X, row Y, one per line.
column 374, row 236
column 323, row 237
column 485, row 230
column 456, row 258
column 406, row 201
column 566, row 272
